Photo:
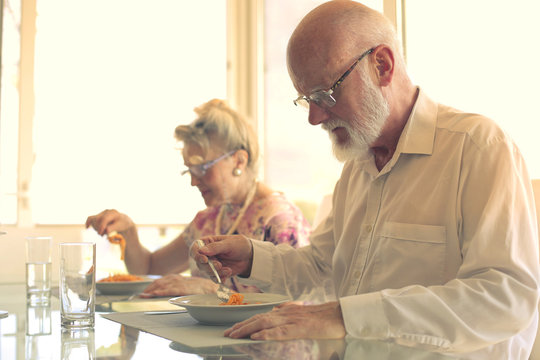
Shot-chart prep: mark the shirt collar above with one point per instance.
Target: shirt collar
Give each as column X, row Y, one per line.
column 418, row 135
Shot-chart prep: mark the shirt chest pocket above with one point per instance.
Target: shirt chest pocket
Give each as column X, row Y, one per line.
column 407, row 254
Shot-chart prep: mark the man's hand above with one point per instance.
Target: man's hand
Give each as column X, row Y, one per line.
column 291, row 321
column 231, row 255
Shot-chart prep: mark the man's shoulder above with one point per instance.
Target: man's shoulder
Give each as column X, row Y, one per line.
column 480, row 129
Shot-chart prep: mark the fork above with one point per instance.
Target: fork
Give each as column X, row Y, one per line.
column 223, row 293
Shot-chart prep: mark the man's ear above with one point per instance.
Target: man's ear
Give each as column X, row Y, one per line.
column 384, row 63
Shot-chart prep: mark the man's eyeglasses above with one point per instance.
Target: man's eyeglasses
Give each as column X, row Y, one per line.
column 201, row 169
column 324, row 98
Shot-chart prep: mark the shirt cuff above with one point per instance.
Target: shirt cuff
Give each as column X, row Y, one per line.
column 364, row 315
column 261, row 269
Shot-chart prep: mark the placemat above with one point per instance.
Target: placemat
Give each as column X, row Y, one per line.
column 136, row 306
column 181, row 328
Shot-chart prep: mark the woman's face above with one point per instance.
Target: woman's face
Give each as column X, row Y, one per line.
column 216, row 184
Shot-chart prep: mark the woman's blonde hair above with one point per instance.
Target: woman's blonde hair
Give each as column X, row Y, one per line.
column 217, row 125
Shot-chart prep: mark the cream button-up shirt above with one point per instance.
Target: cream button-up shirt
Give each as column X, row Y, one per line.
column 439, row 249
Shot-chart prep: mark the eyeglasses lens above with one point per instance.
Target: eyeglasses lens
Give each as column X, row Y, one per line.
column 197, row 171
column 321, row 98
column 303, row 102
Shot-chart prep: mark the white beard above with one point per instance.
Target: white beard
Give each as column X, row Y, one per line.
column 364, row 128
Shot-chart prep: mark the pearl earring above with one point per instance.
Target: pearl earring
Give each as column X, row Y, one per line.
column 237, row 172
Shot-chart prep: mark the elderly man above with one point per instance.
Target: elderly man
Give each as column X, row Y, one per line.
column 432, row 239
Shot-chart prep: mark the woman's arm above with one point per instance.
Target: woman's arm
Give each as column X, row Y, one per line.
column 139, row 260
column 172, row 258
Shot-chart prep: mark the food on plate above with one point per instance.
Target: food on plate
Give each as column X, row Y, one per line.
column 235, row 299
column 121, row 277
column 117, row 238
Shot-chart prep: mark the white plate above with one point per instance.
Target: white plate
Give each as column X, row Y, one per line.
column 206, row 309
column 124, row 287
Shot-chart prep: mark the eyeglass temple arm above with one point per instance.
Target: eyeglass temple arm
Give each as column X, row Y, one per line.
column 209, row 164
column 331, row 90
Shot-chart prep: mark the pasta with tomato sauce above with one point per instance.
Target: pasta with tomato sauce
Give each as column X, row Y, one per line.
column 116, row 238
column 121, row 277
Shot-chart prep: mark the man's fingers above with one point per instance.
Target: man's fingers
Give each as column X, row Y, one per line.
column 213, row 248
column 241, row 324
column 202, row 253
column 196, row 254
column 282, row 332
column 293, row 321
column 226, row 272
column 254, row 325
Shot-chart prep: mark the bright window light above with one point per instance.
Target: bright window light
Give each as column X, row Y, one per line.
column 481, row 56
column 112, row 81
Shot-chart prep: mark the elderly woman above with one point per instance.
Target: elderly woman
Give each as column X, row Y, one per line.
column 221, row 154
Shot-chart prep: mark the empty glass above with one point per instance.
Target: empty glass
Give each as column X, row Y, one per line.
column 77, row 284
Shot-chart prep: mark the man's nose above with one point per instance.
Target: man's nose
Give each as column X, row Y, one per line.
column 317, row 114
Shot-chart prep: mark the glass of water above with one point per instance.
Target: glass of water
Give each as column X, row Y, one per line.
column 38, row 270
column 77, row 284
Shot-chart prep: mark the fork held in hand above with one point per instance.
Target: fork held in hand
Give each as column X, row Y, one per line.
column 223, row 292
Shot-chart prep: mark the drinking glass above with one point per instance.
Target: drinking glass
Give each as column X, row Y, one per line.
column 77, row 284
column 38, row 270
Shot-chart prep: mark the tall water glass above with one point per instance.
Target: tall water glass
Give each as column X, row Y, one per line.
column 38, row 270
column 77, row 284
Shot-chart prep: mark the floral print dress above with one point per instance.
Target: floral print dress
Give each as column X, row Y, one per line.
column 288, row 226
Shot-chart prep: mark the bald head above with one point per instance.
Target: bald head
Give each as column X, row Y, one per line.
column 331, row 35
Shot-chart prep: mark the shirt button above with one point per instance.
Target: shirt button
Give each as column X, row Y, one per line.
column 369, row 229
column 356, row 274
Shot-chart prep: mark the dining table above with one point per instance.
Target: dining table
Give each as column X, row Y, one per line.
column 129, row 327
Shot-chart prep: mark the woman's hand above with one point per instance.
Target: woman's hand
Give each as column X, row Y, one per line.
column 108, row 221
column 178, row 285
column 231, row 255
